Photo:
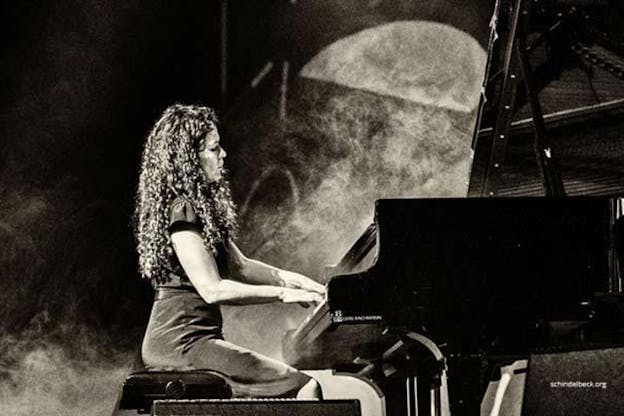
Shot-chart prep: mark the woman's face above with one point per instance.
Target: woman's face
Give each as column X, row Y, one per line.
column 211, row 155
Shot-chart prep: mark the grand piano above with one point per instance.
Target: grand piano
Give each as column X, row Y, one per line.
column 462, row 287
column 484, row 281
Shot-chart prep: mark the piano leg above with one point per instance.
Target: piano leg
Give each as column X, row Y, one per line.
column 422, row 371
column 411, row 394
column 439, row 405
column 427, row 387
column 436, row 406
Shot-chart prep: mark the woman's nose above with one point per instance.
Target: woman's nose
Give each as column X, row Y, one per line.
column 223, row 153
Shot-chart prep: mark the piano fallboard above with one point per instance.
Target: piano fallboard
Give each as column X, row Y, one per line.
column 330, row 340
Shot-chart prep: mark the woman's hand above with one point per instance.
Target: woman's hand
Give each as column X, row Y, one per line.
column 300, row 296
column 294, row 280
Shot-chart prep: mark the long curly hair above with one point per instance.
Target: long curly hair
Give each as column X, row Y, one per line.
column 169, row 169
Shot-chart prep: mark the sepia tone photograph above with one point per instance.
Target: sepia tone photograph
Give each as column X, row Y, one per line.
column 312, row 207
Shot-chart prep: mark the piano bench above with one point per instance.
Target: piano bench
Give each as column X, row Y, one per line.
column 141, row 388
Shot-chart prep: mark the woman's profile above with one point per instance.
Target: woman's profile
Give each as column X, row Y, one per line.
column 185, row 224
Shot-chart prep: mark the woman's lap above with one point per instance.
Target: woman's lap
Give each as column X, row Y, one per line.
column 249, row 373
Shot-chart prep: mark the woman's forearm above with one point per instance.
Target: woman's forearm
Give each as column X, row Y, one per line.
column 258, row 273
column 228, row 292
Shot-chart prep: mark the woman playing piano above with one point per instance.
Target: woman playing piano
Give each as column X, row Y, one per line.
column 185, row 223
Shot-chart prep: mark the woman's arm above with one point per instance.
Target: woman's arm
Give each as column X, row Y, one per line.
column 201, row 268
column 259, row 273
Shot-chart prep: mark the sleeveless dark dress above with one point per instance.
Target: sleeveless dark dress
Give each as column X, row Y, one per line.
column 184, row 332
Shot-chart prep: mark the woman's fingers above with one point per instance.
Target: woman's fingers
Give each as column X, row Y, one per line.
column 317, row 287
column 309, row 284
column 298, row 281
column 301, row 296
column 318, row 298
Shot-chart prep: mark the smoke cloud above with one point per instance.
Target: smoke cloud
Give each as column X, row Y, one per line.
column 63, row 350
column 52, row 379
column 404, row 137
